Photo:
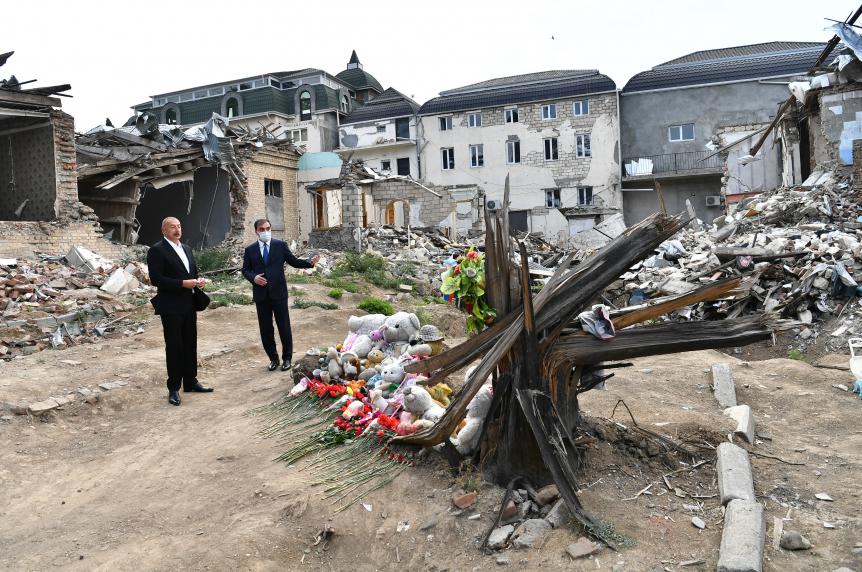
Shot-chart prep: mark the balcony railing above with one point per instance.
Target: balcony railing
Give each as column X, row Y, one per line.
column 671, row 163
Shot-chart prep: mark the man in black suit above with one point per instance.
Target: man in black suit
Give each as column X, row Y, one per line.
column 263, row 266
column 174, row 272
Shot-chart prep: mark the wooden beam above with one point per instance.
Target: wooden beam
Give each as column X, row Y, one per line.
column 19, row 97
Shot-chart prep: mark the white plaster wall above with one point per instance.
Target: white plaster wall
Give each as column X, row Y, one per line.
column 365, row 143
column 374, row 157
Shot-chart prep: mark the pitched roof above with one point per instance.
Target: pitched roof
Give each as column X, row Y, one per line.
column 359, row 79
column 542, row 86
column 389, row 104
column 771, row 59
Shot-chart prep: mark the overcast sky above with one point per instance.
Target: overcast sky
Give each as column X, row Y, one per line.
column 116, row 54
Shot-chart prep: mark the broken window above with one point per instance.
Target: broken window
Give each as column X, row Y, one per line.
column 585, row 196
column 474, row 120
column 552, row 198
column 549, row 111
column 446, row 123
column 171, row 116
column 681, row 132
column 304, row 106
column 477, row 155
column 582, row 146
column 513, row 152
column 345, row 104
column 448, row 155
column 403, row 166
column 551, row 149
column 272, row 188
column 232, row 107
column 582, row 107
column 511, row 115
column 402, row 128
column 385, row 165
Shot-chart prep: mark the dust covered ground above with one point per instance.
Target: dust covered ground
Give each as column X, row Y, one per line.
column 132, row 483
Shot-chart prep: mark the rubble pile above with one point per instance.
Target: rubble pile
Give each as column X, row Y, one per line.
column 62, row 301
column 796, row 248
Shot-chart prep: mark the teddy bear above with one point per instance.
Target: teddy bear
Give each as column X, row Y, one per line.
column 367, row 374
column 334, row 365
column 375, row 357
column 440, row 393
column 392, row 374
column 378, row 403
column 399, row 328
column 362, row 325
column 419, row 402
column 467, row 438
column 362, row 345
column 353, row 409
column 350, row 366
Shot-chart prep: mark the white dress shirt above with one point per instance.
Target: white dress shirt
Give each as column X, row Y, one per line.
column 181, row 252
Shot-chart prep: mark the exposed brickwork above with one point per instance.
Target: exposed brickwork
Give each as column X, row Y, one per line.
column 268, row 163
column 857, row 165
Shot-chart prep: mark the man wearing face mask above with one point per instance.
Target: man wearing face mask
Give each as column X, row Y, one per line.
column 263, row 266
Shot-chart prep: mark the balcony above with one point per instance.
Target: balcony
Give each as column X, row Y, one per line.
column 671, row 164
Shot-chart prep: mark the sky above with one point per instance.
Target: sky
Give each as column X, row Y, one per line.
column 116, row 54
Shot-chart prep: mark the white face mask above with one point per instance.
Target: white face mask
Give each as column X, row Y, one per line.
column 265, row 235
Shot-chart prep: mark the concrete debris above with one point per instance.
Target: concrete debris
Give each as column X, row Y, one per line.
column 744, row 421
column 742, row 538
column 734, row 474
column 583, row 547
column 499, row 536
column 530, row 533
column 723, row 386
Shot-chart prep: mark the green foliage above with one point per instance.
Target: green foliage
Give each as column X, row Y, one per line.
column 299, row 278
column 376, row 306
column 369, row 267
column 336, row 293
column 302, row 304
column 796, row 354
column 210, row 259
column 228, row 299
column 342, row 284
column 424, row 317
column 296, row 292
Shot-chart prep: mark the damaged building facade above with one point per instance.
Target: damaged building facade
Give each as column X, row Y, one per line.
column 688, row 125
column 555, row 134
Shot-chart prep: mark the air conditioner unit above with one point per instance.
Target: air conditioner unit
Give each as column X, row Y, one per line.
column 493, row 205
column 713, row 201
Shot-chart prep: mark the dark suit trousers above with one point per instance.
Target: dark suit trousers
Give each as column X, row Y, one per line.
column 181, row 349
column 266, row 310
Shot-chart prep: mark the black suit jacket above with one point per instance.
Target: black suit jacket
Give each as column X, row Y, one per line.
column 167, row 273
column 279, row 255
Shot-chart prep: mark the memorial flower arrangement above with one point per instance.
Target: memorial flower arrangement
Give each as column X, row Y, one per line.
column 464, row 283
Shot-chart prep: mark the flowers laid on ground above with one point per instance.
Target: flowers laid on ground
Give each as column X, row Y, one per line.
column 464, row 282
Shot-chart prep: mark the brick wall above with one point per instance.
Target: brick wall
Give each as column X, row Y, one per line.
column 270, row 163
column 426, row 209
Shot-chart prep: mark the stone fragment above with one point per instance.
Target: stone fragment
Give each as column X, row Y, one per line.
column 583, row 547
column 823, row 497
column 503, row 561
column 43, row 406
column 792, row 540
column 509, row 511
column 734, row 474
column 530, row 533
column 698, row 522
column 465, row 500
column 742, row 538
column 744, row 421
column 559, row 517
column 429, row 523
column 499, row 536
column 547, row 495
column 723, row 386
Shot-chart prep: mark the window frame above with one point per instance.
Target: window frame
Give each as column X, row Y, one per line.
column 303, row 116
column 583, row 145
column 553, row 199
column 474, row 119
column 582, row 191
column 445, row 123
column 447, row 156
column 553, row 149
column 386, row 165
column 548, row 107
column 584, row 105
column 477, row 155
column 515, row 146
column 273, row 188
column 681, row 128
column 511, row 115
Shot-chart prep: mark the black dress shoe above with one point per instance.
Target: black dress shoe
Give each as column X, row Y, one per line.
column 174, row 397
column 198, row 388
column 286, row 365
column 273, row 365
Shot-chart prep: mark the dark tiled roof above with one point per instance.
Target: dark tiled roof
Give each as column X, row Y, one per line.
column 507, row 94
column 389, row 104
column 730, row 64
column 360, row 79
column 513, row 80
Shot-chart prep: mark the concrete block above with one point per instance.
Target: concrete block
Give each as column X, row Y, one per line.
column 120, row 282
column 742, row 538
column 723, row 386
column 734, row 474
column 744, row 421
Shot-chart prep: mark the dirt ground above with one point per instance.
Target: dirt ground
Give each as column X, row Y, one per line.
column 132, row 483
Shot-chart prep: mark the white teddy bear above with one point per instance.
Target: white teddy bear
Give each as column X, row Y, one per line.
column 468, row 437
column 419, row 402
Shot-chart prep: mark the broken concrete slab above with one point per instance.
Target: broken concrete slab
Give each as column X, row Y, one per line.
column 499, row 536
column 734, row 474
column 120, row 282
column 559, row 515
column 742, row 538
column 80, row 257
column 744, row 421
column 723, row 386
column 41, row 407
column 530, row 533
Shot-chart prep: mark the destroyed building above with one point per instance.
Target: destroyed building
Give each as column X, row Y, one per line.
column 39, row 206
column 216, row 179
column 686, row 123
column 554, row 133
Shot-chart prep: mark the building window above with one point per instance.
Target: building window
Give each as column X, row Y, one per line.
column 513, row 152
column 232, row 107
column 272, row 188
column 216, row 91
column 582, row 146
column 201, row 94
column 511, row 115
column 585, row 196
column 474, row 120
column 304, row 106
column 681, row 132
column 403, row 165
column 298, row 135
column 582, row 107
column 477, row 156
column 385, row 165
column 551, row 150
column 345, row 104
column 549, row 111
column 402, row 129
column 552, row 199
column 448, row 155
column 171, row 116
column 446, row 123
column 381, row 129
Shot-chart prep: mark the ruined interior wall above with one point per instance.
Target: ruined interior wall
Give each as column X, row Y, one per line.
column 27, row 172
column 838, row 127
column 269, row 163
column 426, row 209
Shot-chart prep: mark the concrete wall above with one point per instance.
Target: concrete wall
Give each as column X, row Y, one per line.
column 533, row 176
column 639, row 204
column 364, row 142
column 837, row 121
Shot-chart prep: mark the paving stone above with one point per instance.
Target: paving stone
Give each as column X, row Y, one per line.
column 723, row 386
column 744, row 421
column 734, row 474
column 742, row 538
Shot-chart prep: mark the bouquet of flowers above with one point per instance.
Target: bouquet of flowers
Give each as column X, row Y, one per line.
column 465, row 282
